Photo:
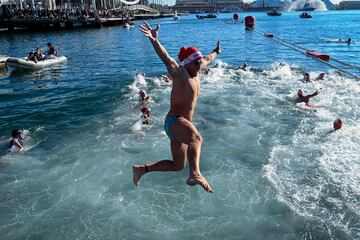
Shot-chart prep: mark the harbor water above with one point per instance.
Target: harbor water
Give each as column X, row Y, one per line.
column 277, row 170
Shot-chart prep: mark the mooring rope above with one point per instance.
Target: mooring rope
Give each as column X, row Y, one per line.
column 304, row 51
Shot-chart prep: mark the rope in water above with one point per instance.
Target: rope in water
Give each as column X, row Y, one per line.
column 304, row 51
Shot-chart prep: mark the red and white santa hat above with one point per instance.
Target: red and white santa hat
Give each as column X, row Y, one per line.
column 189, row 54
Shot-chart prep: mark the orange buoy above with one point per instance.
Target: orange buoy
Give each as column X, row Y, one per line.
column 319, row 55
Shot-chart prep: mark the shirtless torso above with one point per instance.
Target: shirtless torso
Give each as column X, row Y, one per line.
column 184, row 94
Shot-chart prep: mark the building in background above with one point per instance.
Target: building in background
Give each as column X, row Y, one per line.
column 208, row 5
column 66, row 4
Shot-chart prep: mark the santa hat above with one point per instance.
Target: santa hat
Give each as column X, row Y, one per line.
column 189, row 54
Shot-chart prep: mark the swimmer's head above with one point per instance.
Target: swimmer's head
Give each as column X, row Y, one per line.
column 322, row 74
column 337, row 124
column 300, row 93
column 306, row 75
column 142, row 94
column 17, row 133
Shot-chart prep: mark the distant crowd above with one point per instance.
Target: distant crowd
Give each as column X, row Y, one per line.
column 77, row 12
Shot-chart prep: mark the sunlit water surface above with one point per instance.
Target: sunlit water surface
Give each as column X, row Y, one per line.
column 277, row 171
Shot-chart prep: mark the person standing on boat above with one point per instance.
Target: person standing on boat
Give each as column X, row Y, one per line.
column 51, row 51
column 185, row 138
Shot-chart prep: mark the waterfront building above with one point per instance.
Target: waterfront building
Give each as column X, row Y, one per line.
column 67, row 4
column 207, row 5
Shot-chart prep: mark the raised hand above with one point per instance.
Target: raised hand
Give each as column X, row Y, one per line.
column 149, row 32
column 217, row 49
column 218, row 45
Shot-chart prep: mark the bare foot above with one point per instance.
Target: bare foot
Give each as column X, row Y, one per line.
column 138, row 172
column 201, row 181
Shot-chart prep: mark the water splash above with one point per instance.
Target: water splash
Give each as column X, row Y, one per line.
column 317, row 4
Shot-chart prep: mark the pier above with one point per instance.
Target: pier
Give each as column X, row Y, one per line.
column 60, row 19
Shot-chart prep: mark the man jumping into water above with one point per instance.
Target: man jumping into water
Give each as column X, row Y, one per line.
column 185, row 138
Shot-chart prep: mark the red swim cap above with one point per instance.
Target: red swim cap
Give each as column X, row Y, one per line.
column 337, row 124
column 306, row 74
column 145, row 110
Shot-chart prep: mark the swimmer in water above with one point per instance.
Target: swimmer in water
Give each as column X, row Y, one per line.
column 243, row 67
column 337, row 124
column 146, row 115
column 17, row 140
column 320, row 77
column 307, row 77
column 166, row 78
column 142, row 95
column 305, row 98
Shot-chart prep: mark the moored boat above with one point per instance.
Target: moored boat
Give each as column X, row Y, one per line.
column 274, row 12
column 305, row 15
column 206, row 16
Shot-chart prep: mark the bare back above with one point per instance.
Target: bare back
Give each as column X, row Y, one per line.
column 184, row 94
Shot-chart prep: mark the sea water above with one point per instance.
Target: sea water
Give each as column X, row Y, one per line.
column 277, row 169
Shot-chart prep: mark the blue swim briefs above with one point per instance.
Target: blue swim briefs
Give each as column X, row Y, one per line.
column 169, row 120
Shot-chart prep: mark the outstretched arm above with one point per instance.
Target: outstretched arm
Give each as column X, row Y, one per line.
column 313, row 95
column 152, row 34
column 211, row 57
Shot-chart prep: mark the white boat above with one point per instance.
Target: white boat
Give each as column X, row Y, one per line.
column 22, row 63
column 3, row 60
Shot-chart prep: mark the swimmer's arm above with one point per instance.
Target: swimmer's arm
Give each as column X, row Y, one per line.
column 169, row 62
column 16, row 142
column 153, row 35
column 211, row 57
column 313, row 95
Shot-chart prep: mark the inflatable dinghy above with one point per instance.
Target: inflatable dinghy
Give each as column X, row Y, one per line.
column 22, row 63
column 3, row 60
